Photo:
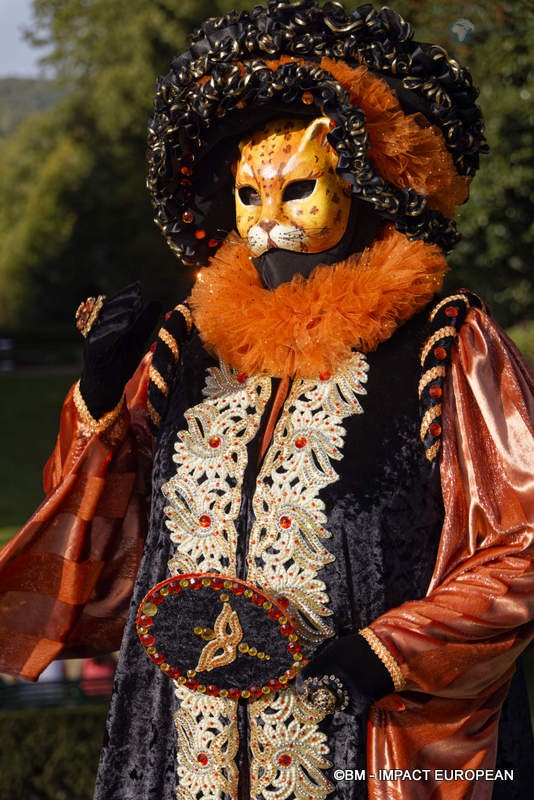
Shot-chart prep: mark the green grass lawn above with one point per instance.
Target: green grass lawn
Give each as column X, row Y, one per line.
column 30, row 405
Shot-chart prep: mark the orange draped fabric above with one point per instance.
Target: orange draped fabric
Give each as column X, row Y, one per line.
column 457, row 646
column 66, row 578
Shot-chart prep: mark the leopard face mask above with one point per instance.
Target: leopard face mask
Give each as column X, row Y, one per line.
column 288, row 194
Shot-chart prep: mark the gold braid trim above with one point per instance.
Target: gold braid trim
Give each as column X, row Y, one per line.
column 170, row 341
column 443, row 333
column 446, row 302
column 158, row 380
column 96, row 425
column 430, row 375
column 432, row 451
column 428, row 418
column 385, row 657
column 185, row 311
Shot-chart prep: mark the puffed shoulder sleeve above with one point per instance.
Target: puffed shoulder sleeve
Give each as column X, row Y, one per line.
column 462, row 639
column 66, row 578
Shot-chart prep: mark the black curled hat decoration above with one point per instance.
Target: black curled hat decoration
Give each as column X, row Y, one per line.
column 223, row 87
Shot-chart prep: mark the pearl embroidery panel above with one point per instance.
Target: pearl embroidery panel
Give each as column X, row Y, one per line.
column 208, row 741
column 286, row 549
column 288, row 749
column 211, row 456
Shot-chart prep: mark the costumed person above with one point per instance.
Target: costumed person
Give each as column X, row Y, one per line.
column 322, row 475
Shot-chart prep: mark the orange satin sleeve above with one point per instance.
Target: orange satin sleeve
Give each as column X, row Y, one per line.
column 458, row 645
column 66, row 578
column 478, row 615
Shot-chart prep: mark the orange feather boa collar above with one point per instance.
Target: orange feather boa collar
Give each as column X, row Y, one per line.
column 309, row 326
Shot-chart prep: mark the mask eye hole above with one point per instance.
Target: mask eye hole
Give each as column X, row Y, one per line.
column 249, row 196
column 298, row 190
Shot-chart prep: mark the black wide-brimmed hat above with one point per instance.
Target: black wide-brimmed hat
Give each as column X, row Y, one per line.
column 303, row 59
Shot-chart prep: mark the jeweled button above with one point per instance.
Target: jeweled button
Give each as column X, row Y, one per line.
column 451, row 311
column 435, row 429
column 203, row 759
column 214, row 442
column 300, row 442
column 200, row 233
column 188, row 216
column 440, row 353
column 307, row 98
column 285, row 522
column 204, row 521
column 435, row 392
column 285, row 760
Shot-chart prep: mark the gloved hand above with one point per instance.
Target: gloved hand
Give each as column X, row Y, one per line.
column 114, row 347
column 360, row 670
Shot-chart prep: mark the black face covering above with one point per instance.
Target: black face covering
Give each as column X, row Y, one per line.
column 278, row 266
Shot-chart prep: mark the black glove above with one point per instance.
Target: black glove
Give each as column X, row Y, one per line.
column 358, row 667
column 114, row 347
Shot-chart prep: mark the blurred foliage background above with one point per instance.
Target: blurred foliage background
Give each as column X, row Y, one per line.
column 74, row 214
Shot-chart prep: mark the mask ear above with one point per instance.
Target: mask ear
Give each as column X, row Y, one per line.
column 315, row 132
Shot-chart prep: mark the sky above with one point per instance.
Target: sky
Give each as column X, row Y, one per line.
column 17, row 57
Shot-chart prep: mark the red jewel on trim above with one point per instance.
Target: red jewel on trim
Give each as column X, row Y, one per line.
column 147, row 639
column 300, row 442
column 307, row 98
column 293, row 647
column 158, row 658
column 200, row 234
column 186, row 170
column 237, row 588
column 174, row 672
column 242, row 377
column 188, row 216
column 213, row 243
column 204, row 521
column 145, row 621
column 214, row 442
column 435, row 429
column 255, row 691
column 257, row 600
column 274, row 683
column 203, row 759
column 287, row 629
column 282, row 601
column 156, row 598
column 234, row 693
column 285, row 760
column 195, row 583
column 213, row 690
column 274, row 613
column 451, row 311
column 285, row 522
column 191, row 683
column 440, row 353
column 435, row 391
column 174, row 587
